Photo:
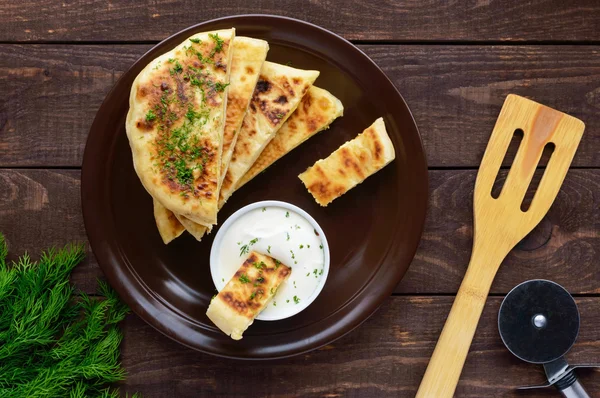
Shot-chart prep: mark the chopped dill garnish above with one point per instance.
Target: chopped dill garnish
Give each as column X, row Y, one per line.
column 244, row 278
column 218, row 44
column 150, row 116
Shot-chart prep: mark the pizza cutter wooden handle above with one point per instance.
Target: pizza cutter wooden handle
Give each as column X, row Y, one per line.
column 449, row 356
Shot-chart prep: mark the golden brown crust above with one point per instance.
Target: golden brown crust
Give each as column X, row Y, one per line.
column 168, row 225
column 315, row 113
column 175, row 124
column 350, row 164
column 274, row 99
column 248, row 58
column 247, row 294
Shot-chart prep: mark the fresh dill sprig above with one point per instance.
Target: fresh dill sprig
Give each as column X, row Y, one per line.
column 55, row 342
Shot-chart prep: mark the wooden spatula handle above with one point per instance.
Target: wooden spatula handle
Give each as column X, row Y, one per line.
column 445, row 366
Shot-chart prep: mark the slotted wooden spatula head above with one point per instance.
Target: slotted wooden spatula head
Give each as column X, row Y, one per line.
column 500, row 221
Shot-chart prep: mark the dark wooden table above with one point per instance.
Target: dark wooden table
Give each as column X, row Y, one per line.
column 453, row 61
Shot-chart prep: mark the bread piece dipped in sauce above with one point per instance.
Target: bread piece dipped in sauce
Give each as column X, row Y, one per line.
column 247, row 293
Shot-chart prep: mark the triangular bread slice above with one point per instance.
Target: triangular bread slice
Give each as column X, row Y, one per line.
column 317, row 110
column 277, row 94
column 350, row 164
column 168, row 226
column 248, row 57
column 175, row 124
column 195, row 229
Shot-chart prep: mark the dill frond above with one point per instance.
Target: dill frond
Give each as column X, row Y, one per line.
column 55, row 342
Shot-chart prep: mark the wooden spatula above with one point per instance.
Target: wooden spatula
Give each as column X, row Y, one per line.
column 499, row 224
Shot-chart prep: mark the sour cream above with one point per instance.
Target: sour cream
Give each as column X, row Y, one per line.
column 284, row 232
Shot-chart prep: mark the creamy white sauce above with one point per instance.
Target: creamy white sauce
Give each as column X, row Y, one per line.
column 284, row 235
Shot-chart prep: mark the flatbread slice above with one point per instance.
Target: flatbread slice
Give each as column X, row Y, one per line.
column 277, row 94
column 317, row 110
column 195, row 229
column 168, row 226
column 248, row 58
column 175, row 124
column 249, row 291
column 350, row 164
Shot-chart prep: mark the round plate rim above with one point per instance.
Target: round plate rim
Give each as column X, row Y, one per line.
column 148, row 306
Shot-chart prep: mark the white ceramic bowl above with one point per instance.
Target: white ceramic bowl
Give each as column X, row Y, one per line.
column 214, row 252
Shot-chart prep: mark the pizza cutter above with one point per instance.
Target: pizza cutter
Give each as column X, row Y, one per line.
column 539, row 323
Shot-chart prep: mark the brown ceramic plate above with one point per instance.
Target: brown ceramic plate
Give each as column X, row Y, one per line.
column 373, row 230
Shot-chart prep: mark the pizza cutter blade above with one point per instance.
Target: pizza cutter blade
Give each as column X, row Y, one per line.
column 539, row 323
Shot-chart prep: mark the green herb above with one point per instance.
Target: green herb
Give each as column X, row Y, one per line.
column 315, row 272
column 177, row 69
column 297, row 226
column 264, row 209
column 218, row 44
column 272, row 291
column 171, row 60
column 308, row 274
column 301, row 246
column 269, row 249
column 296, row 299
column 280, row 115
column 56, row 342
column 277, row 263
column 260, row 265
column 321, row 246
column 288, row 236
column 287, row 301
column 308, row 246
column 321, row 272
column 220, row 87
column 274, row 303
column 287, row 214
column 293, row 255
column 244, row 278
column 259, row 280
column 294, row 284
column 252, row 295
column 246, row 248
column 150, row 116
column 197, row 41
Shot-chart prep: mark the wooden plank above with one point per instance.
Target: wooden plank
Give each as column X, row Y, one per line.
column 384, row 357
column 52, row 92
column 39, row 208
column 354, row 19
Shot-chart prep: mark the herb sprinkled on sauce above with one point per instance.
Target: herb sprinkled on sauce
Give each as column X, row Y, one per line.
column 246, row 248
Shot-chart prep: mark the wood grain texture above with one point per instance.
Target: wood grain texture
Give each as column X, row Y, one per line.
column 354, row 19
column 52, row 92
column 385, row 357
column 39, row 208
